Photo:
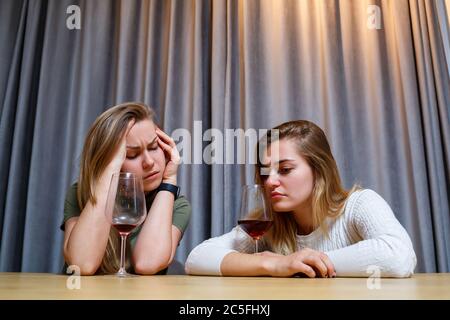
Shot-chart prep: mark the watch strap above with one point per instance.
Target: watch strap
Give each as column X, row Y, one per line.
column 175, row 190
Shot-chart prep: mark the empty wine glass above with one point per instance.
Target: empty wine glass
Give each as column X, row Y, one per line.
column 125, row 209
column 255, row 215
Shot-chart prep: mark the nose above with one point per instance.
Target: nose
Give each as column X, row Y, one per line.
column 272, row 180
column 147, row 161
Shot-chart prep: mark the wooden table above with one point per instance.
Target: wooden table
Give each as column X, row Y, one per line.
column 170, row 287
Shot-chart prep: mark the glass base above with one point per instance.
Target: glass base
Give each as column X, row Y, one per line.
column 124, row 274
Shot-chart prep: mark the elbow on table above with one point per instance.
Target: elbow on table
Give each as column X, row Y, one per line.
column 198, row 271
column 398, row 272
column 191, row 265
column 201, row 266
column 402, row 271
column 84, row 268
column 146, row 267
column 80, row 265
column 188, row 268
column 88, row 271
column 401, row 265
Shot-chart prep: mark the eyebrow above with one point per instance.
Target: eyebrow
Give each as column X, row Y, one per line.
column 138, row 147
column 278, row 162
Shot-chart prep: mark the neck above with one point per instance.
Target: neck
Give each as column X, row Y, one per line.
column 304, row 220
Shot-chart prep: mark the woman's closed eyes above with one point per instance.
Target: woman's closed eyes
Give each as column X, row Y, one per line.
column 136, row 151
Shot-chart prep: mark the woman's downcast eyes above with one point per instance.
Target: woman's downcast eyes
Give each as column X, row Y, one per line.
column 135, row 153
column 285, row 170
column 281, row 171
column 130, row 157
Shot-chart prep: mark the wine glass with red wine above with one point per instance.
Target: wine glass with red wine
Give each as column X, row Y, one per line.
column 125, row 209
column 255, row 216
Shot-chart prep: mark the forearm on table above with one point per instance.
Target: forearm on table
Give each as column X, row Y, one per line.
column 386, row 255
column 242, row 264
column 88, row 238
column 87, row 242
column 206, row 258
column 153, row 249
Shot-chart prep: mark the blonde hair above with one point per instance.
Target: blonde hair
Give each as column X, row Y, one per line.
column 328, row 195
column 102, row 141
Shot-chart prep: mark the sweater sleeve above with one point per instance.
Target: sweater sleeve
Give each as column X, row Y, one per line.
column 385, row 249
column 206, row 258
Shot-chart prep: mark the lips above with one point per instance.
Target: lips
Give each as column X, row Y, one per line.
column 276, row 195
column 151, row 175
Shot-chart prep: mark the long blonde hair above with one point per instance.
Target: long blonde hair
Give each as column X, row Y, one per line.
column 328, row 195
column 102, row 141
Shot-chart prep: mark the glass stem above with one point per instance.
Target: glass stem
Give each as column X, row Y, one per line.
column 123, row 241
column 256, row 245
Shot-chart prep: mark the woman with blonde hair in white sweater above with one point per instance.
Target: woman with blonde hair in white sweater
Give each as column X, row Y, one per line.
column 319, row 229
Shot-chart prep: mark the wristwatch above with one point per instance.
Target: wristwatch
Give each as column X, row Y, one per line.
column 171, row 188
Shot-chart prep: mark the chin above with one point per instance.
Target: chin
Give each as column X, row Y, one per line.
column 152, row 185
column 278, row 207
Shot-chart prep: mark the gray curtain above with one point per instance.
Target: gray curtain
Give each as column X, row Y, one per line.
column 443, row 10
column 382, row 96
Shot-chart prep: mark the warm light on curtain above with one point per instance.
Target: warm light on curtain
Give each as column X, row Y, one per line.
column 374, row 74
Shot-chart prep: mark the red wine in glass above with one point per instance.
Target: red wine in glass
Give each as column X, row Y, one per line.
column 255, row 228
column 125, row 209
column 124, row 228
column 255, row 215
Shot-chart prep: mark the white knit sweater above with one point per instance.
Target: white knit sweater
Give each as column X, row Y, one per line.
column 366, row 237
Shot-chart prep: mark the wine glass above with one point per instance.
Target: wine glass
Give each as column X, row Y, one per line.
column 125, row 209
column 255, row 215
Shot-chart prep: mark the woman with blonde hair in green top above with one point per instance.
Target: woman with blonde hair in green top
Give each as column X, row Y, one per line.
column 125, row 139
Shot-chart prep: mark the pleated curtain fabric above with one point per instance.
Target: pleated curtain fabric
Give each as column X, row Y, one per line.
column 373, row 74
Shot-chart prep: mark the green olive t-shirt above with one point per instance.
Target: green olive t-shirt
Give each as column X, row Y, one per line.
column 180, row 216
